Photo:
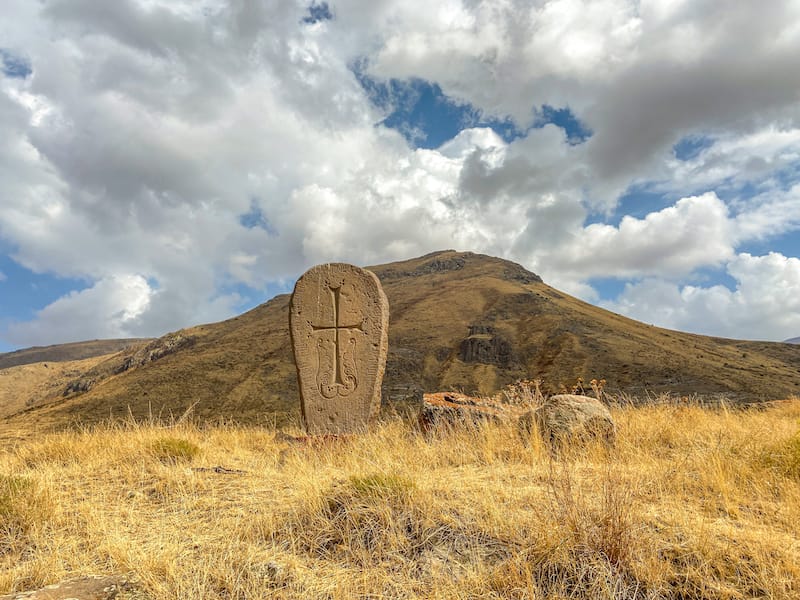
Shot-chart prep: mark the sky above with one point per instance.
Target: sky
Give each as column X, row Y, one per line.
column 170, row 163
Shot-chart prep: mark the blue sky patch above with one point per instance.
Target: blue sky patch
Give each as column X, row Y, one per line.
column 427, row 117
column 638, row 201
column 256, row 218
column 787, row 244
column 707, row 277
column 23, row 292
column 250, row 297
column 423, row 114
column 608, row 288
column 577, row 132
column 14, row 66
column 691, row 146
column 789, row 176
column 318, row 12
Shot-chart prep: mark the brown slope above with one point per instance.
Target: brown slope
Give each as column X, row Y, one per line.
column 31, row 384
column 458, row 320
column 64, row 352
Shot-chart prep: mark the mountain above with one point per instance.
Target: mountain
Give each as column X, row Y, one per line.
column 64, row 352
column 26, row 385
column 458, row 320
column 792, row 341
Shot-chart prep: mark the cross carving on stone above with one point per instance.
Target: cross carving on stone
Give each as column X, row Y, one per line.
column 344, row 375
column 339, row 321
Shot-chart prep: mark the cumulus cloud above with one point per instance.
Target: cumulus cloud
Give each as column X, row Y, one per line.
column 695, row 232
column 765, row 303
column 730, row 161
column 104, row 310
column 147, row 132
column 641, row 75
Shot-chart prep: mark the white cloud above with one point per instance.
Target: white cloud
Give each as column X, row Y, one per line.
column 771, row 213
column 737, row 159
column 105, row 310
column 765, row 304
column 505, row 57
column 147, row 131
column 695, row 232
column 641, row 74
column 3, row 276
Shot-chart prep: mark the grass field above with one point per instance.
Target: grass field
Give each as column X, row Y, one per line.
column 691, row 503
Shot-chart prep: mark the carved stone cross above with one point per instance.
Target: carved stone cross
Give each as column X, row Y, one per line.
column 339, row 324
column 343, row 371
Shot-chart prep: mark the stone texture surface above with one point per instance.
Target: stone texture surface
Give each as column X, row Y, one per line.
column 569, row 418
column 452, row 409
column 484, row 345
column 339, row 322
column 92, row 587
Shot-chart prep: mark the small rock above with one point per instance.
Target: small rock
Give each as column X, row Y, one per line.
column 569, row 418
column 274, row 571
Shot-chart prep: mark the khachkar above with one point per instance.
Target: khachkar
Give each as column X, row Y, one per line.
column 339, row 321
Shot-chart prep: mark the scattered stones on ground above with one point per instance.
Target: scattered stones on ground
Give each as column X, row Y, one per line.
column 339, row 321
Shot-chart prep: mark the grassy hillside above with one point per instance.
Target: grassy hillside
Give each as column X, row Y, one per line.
column 26, row 385
column 691, row 504
column 457, row 321
column 64, row 352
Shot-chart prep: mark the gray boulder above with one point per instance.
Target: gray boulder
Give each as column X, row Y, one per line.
column 567, row 419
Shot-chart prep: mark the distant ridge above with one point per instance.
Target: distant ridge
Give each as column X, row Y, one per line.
column 458, row 321
column 64, row 352
column 792, row 341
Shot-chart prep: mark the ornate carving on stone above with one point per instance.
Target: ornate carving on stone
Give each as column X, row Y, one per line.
column 339, row 325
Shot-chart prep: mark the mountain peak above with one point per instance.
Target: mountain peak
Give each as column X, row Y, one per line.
column 458, row 321
column 450, row 261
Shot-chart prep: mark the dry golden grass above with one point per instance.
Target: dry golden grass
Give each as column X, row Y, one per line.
column 32, row 384
column 692, row 503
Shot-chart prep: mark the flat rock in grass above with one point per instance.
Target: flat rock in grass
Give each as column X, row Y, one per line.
column 92, row 587
column 453, row 409
column 568, row 418
column 339, row 322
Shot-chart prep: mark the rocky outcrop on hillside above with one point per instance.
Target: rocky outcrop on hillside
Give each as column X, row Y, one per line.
column 157, row 349
column 436, row 265
column 135, row 357
column 484, row 345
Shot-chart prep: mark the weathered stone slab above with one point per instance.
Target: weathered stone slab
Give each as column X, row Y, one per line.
column 567, row 419
column 450, row 410
column 339, row 322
